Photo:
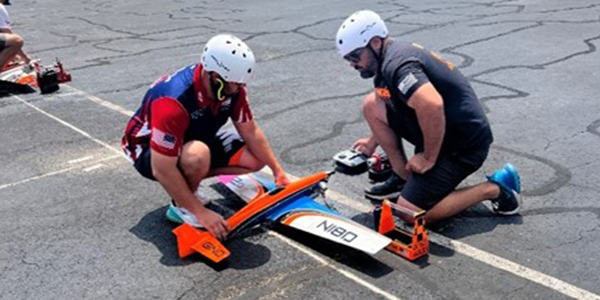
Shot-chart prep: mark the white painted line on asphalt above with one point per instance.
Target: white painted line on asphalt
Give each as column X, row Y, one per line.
column 323, row 261
column 462, row 248
column 485, row 257
column 477, row 254
column 82, row 159
column 102, row 102
column 94, row 167
column 70, row 126
column 303, row 249
column 514, row 268
column 62, row 95
column 52, row 173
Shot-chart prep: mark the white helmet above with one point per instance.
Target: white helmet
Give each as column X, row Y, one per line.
column 357, row 31
column 229, row 57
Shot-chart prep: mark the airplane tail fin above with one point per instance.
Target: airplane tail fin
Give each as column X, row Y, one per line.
column 190, row 240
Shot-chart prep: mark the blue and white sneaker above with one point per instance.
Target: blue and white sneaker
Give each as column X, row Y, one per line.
column 509, row 182
column 181, row 215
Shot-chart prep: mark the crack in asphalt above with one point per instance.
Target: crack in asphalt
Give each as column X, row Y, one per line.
column 336, row 130
column 337, row 127
column 310, row 102
column 569, row 8
column 109, row 28
column 287, row 55
column 561, row 211
column 510, row 294
column 489, row 38
column 126, row 89
column 552, row 141
column 580, row 237
column 593, row 128
column 591, row 49
column 297, row 277
column 562, row 175
column 473, row 18
column 296, row 30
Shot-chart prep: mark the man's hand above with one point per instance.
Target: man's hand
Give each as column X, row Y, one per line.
column 214, row 223
column 281, row 179
column 419, row 164
column 366, row 146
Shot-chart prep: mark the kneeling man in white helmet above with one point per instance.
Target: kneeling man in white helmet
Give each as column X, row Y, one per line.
column 176, row 138
column 424, row 99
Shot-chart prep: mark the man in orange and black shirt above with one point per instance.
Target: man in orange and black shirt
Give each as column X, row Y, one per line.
column 424, row 99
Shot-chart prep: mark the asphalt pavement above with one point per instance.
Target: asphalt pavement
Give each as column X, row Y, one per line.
column 77, row 221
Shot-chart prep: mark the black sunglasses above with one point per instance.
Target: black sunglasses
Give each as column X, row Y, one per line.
column 354, row 56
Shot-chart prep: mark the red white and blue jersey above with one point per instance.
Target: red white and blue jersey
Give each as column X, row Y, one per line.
column 177, row 109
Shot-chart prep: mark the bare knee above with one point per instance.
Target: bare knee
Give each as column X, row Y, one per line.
column 256, row 166
column 250, row 162
column 374, row 109
column 14, row 40
column 369, row 105
column 195, row 159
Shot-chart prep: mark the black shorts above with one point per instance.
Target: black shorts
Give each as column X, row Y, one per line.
column 426, row 190
column 451, row 168
column 225, row 150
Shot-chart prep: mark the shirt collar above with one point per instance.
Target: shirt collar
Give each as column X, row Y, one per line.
column 201, row 95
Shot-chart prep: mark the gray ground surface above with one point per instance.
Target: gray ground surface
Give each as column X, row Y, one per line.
column 80, row 230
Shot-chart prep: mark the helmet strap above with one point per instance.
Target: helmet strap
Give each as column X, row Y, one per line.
column 378, row 56
column 218, row 85
column 220, row 95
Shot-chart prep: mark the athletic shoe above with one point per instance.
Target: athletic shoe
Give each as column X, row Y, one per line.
column 389, row 189
column 509, row 182
column 181, row 215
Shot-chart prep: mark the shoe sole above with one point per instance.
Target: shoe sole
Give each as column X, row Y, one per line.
column 514, row 211
column 173, row 217
column 509, row 213
column 383, row 197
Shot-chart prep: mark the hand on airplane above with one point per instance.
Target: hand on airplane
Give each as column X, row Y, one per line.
column 214, row 223
column 281, row 179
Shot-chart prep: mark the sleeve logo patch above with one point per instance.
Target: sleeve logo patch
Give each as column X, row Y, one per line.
column 163, row 139
column 406, row 83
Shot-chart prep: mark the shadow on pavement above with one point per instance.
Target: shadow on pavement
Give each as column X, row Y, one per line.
column 8, row 88
column 156, row 229
column 355, row 259
column 475, row 220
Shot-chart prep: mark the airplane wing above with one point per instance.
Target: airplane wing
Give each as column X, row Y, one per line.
column 304, row 213
column 337, row 229
column 295, row 206
column 247, row 186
